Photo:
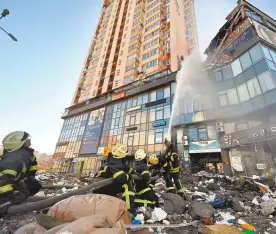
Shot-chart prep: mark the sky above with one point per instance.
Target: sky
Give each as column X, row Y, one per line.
column 39, row 72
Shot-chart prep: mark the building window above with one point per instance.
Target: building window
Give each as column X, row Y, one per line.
column 232, row 96
column 158, row 137
column 160, row 94
column 267, row 53
column 151, row 53
column 222, row 95
column 228, row 97
column 130, row 67
column 133, row 56
column 151, row 137
column 145, row 98
column 159, row 114
column 151, row 43
column 135, row 37
column 167, row 92
column 151, row 35
column 167, row 112
column 245, row 61
column 128, row 79
column 254, row 87
column 218, row 74
column 152, row 115
column 132, row 120
column 266, row 81
column 236, row 67
column 256, row 53
column 150, row 64
column 227, row 72
column 253, row 15
column 243, row 93
column 133, row 47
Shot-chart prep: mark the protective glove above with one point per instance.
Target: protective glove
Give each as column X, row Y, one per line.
column 33, row 185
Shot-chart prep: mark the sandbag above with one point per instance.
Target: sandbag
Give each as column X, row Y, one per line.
column 91, row 224
column 81, row 206
column 85, row 214
column 219, row 229
column 31, row 228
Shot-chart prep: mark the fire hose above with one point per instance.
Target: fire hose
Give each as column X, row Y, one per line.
column 41, row 204
column 46, row 186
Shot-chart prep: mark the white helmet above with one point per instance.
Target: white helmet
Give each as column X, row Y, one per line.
column 140, row 155
column 119, row 151
column 15, row 140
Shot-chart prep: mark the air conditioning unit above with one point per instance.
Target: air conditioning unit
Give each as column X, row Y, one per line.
column 220, row 129
column 219, row 124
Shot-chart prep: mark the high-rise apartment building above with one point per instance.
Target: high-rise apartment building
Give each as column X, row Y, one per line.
column 133, row 39
column 135, row 42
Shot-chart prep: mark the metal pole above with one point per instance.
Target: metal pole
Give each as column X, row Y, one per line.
column 9, row 34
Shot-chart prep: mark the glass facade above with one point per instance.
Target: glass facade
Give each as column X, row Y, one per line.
column 70, row 138
column 254, row 74
column 140, row 122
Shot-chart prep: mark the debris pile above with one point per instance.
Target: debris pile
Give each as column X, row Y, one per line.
column 216, row 204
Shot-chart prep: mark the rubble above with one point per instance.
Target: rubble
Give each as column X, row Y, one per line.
column 216, row 199
column 174, row 204
column 268, row 207
column 199, row 210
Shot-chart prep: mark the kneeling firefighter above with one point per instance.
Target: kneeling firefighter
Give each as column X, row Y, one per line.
column 171, row 157
column 157, row 165
column 145, row 196
column 116, row 167
column 17, row 170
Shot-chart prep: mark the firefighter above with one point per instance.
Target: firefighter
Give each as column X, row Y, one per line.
column 17, row 170
column 157, row 165
column 171, row 157
column 116, row 167
column 145, row 196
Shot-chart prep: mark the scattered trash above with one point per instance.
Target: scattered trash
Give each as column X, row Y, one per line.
column 158, row 214
column 140, row 218
column 166, row 222
column 255, row 202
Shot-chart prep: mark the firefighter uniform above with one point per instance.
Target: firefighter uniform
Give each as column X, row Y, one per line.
column 171, row 157
column 157, row 165
column 145, row 196
column 116, row 167
column 17, row 171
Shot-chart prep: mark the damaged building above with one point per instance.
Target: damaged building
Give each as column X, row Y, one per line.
column 229, row 125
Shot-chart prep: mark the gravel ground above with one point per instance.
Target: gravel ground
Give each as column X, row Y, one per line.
column 9, row 224
column 244, row 193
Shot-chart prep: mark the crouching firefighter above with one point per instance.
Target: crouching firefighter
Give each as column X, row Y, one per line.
column 116, row 167
column 171, row 157
column 17, row 170
column 157, row 165
column 145, row 196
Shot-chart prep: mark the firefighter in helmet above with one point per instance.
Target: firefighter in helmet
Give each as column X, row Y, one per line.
column 116, row 168
column 157, row 165
column 145, row 196
column 17, row 170
column 172, row 159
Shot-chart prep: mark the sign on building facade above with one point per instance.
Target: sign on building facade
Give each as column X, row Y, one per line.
column 92, row 132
